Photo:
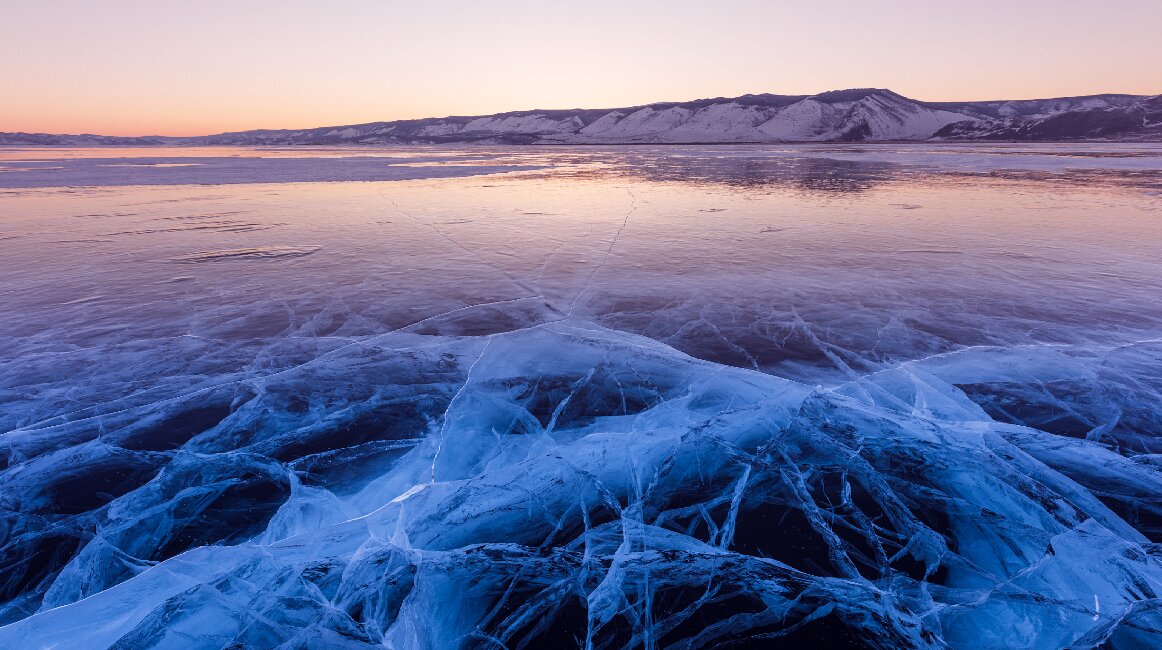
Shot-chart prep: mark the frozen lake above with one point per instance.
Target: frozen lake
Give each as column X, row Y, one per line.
column 675, row 396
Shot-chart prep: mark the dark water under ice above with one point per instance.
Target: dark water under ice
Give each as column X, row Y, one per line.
column 672, row 397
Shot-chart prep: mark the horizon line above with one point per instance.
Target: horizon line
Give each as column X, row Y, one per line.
column 800, row 96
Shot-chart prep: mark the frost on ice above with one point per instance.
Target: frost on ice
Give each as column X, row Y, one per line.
column 569, row 485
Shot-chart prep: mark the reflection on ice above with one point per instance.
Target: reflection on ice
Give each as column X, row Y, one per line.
column 653, row 405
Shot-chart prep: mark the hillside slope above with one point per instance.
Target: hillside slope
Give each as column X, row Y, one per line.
column 857, row 115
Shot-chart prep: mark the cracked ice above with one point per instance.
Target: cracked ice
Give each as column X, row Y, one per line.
column 627, row 402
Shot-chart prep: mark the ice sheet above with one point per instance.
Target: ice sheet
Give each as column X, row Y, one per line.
column 624, row 399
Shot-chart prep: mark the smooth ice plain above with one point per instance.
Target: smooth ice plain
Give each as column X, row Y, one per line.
column 888, row 396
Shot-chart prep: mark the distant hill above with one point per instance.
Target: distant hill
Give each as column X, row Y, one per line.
column 857, row 115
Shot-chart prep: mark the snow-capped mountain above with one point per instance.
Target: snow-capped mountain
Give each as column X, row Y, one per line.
column 850, row 115
column 858, row 115
column 1099, row 117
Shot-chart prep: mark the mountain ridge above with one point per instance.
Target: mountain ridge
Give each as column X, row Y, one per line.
column 850, row 115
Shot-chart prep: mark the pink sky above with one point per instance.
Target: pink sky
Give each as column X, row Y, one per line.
column 134, row 67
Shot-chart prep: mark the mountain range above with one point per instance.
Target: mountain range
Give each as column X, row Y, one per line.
column 856, row 115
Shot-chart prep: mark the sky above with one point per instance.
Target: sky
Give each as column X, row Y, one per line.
column 178, row 67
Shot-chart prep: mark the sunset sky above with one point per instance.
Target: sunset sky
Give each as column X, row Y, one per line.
column 135, row 67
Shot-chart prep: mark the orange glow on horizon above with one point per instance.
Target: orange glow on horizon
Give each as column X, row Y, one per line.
column 137, row 67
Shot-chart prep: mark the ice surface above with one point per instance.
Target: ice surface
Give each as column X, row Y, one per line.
column 705, row 399
column 253, row 167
